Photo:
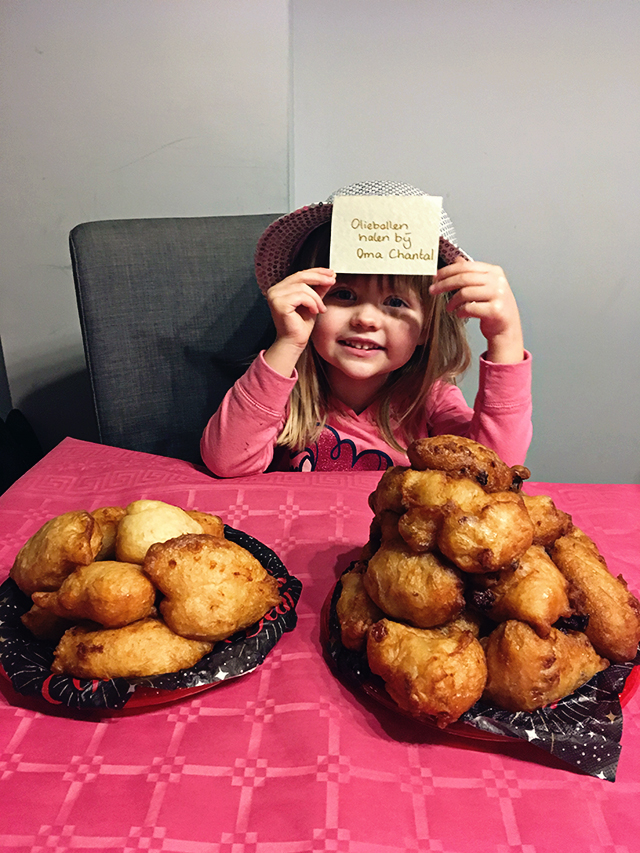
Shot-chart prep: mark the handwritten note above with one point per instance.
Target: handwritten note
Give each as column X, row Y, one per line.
column 385, row 234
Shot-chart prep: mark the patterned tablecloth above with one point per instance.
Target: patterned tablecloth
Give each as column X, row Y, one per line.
column 286, row 759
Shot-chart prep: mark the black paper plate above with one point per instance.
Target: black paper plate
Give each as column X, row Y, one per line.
column 26, row 661
column 583, row 730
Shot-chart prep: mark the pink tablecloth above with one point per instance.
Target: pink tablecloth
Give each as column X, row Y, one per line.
column 286, row 759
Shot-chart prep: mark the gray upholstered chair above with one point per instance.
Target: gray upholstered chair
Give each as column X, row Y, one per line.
column 171, row 315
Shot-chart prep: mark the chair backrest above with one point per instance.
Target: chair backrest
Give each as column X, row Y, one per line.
column 171, row 316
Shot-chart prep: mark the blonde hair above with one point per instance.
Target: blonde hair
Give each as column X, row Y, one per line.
column 443, row 356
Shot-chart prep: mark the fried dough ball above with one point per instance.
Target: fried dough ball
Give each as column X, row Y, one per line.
column 144, row 648
column 429, row 673
column 422, row 589
column 388, row 492
column 108, row 517
column 468, row 620
column 493, row 539
column 383, row 528
column 62, row 543
column 535, row 592
column 373, row 542
column 526, row 672
column 419, row 527
column 580, row 536
column 388, row 525
column 44, row 624
column 355, row 610
column 614, row 613
column 213, row 587
column 110, row 593
column 436, row 489
column 211, row 524
column 477, row 531
column 416, row 501
column 148, row 522
column 549, row 522
column 462, row 457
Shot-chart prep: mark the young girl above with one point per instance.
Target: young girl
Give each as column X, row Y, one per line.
column 364, row 364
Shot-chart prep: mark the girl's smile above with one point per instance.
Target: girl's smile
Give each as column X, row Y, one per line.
column 363, row 346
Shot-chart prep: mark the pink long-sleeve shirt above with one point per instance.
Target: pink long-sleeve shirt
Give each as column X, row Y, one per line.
column 240, row 439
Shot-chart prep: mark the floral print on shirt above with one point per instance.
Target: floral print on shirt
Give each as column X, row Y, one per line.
column 333, row 453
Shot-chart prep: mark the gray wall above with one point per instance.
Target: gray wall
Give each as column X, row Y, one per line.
column 116, row 109
column 522, row 114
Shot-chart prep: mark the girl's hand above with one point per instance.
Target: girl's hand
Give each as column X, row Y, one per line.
column 482, row 290
column 295, row 302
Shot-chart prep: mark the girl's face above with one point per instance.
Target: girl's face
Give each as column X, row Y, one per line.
column 371, row 327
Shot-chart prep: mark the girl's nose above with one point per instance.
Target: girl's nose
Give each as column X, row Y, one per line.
column 365, row 316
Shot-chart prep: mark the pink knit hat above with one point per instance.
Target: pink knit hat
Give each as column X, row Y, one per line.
column 279, row 244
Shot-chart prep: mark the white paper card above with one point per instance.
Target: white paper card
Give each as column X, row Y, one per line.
column 385, row 234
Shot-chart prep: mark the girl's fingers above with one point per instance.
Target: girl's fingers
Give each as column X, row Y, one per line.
column 314, row 283
column 465, row 274
column 288, row 303
column 316, row 277
column 455, row 282
column 296, row 301
column 321, row 291
column 466, row 295
column 471, row 309
column 482, row 291
column 476, row 289
column 321, row 270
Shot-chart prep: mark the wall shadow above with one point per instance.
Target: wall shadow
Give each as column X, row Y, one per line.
column 62, row 408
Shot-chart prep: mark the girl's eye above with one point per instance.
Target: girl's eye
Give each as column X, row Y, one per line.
column 395, row 302
column 343, row 294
